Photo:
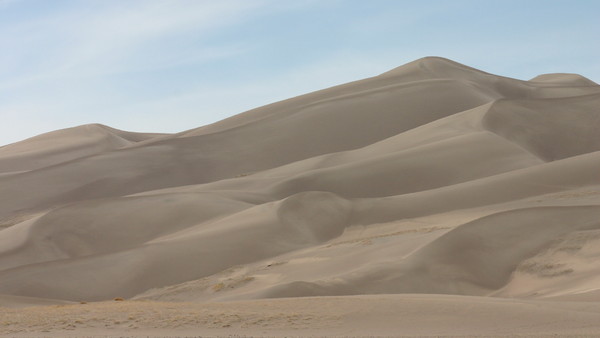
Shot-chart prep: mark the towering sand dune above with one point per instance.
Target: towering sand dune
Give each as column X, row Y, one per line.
column 332, row 120
column 432, row 178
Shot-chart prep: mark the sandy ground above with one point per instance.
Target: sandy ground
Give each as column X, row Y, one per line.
column 433, row 199
column 376, row 315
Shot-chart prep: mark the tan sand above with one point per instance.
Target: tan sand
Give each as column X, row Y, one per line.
column 375, row 315
column 434, row 199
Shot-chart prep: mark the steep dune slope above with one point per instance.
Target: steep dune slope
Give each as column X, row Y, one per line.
column 240, row 238
column 447, row 151
column 336, row 119
column 431, row 178
column 473, row 259
column 367, row 117
column 550, row 128
column 257, row 233
column 105, row 226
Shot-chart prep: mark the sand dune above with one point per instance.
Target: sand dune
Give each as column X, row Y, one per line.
column 433, row 178
column 65, row 145
column 551, row 129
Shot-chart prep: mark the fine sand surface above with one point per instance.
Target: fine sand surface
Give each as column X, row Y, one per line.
column 433, row 199
column 374, row 315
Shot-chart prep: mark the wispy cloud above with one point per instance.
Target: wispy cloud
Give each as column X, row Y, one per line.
column 6, row 3
column 100, row 39
column 51, row 56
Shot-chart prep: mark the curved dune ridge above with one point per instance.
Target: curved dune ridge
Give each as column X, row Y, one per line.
column 432, row 178
column 64, row 145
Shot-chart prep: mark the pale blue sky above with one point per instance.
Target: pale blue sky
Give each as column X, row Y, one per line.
column 173, row 65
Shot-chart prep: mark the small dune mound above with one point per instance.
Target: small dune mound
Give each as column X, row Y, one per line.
column 314, row 216
column 66, row 145
column 564, row 79
column 480, row 256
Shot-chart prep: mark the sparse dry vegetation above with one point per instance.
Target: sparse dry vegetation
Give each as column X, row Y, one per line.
column 144, row 314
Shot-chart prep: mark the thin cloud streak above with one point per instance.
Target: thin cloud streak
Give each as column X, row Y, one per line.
column 110, row 40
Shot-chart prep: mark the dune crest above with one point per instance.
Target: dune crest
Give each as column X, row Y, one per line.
column 65, row 145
